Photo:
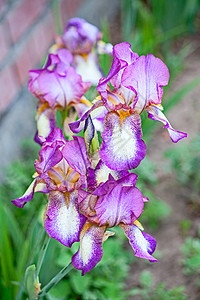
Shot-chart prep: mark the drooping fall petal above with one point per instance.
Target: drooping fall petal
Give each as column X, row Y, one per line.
column 122, row 147
column 91, row 251
column 156, row 114
column 63, row 221
column 142, row 243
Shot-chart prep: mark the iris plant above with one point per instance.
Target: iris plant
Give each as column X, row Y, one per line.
column 89, row 187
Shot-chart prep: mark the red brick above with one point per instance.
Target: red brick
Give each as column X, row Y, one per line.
column 68, row 8
column 44, row 36
column 9, row 87
column 4, row 40
column 2, row 6
column 36, row 48
column 23, row 16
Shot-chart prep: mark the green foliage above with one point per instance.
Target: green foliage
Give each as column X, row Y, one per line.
column 185, row 163
column 148, row 291
column 191, row 256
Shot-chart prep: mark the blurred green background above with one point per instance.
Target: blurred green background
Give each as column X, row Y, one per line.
column 167, row 29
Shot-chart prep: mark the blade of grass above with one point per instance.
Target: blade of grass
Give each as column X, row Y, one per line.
column 56, row 279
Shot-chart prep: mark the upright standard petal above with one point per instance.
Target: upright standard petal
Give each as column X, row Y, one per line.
column 122, row 57
column 142, row 243
column 156, row 114
column 122, row 147
column 63, row 221
column 121, row 203
column 75, row 154
column 91, row 251
column 49, row 156
column 145, row 78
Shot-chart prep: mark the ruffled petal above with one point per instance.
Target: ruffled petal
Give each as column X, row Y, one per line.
column 121, row 204
column 61, row 90
column 35, row 186
column 91, row 251
column 122, row 147
column 156, row 114
column 49, row 157
column 63, row 221
column 145, row 78
column 142, row 243
column 75, row 154
column 122, row 57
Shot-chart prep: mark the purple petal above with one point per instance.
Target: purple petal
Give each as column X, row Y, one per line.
column 122, row 147
column 122, row 204
column 56, row 138
column 127, row 180
column 63, row 221
column 58, row 83
column 145, row 78
column 49, row 157
column 122, row 57
column 156, row 114
column 61, row 90
column 142, row 243
column 51, row 152
column 91, row 251
column 35, row 186
column 75, row 154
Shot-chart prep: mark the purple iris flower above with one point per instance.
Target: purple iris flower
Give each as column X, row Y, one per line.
column 84, row 42
column 80, row 36
column 115, row 202
column 73, row 214
column 136, row 86
column 58, row 87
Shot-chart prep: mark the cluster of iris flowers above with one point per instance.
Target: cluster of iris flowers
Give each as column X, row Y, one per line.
column 89, row 184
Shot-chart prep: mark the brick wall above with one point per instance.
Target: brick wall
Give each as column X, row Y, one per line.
column 27, row 29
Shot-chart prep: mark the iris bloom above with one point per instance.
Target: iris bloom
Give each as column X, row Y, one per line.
column 73, row 214
column 83, row 40
column 58, row 87
column 137, row 85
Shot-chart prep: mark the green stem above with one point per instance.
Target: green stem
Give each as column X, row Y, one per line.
column 42, row 254
column 56, row 279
